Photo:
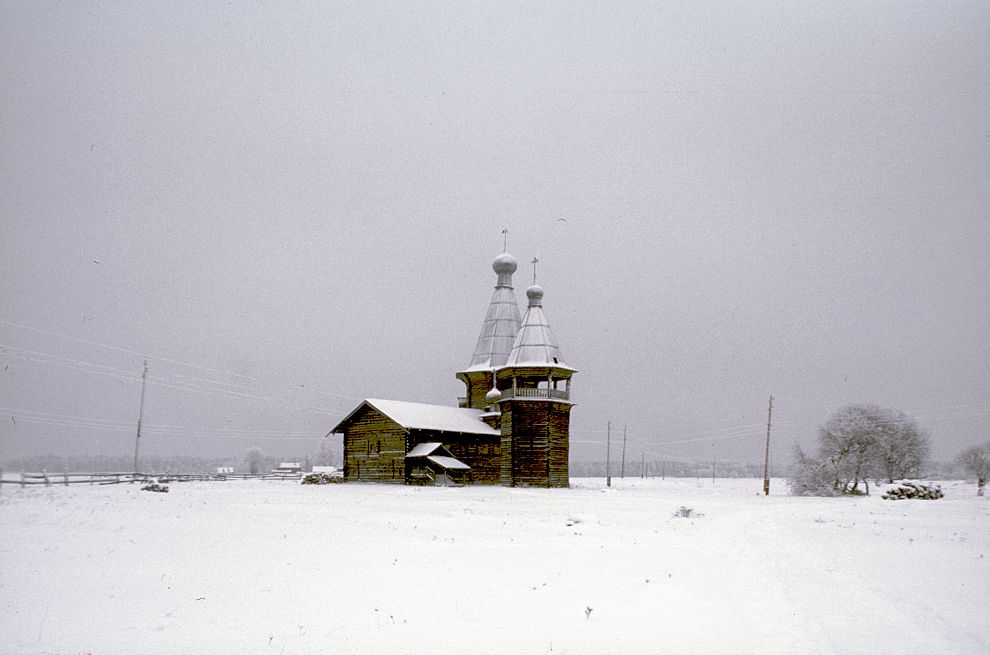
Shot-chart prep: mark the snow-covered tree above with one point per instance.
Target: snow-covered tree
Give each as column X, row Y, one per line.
column 324, row 455
column 859, row 443
column 901, row 447
column 253, row 457
column 976, row 460
column 846, row 442
column 810, row 476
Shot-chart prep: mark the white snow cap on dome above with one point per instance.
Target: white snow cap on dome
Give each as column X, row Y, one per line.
column 498, row 331
column 535, row 343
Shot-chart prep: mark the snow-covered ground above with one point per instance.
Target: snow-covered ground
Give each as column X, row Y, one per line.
column 277, row 567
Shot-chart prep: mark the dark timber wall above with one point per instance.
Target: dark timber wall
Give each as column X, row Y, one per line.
column 374, row 448
column 535, row 443
column 482, row 453
column 477, row 385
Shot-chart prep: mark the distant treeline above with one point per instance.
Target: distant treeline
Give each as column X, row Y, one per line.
column 191, row 465
column 676, row 469
column 703, row 469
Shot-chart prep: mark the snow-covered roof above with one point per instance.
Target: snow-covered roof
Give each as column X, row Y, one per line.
column 423, row 449
column 449, row 463
column 420, row 416
column 498, row 332
column 535, row 342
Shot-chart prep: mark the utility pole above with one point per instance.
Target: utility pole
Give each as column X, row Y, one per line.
column 608, row 456
column 622, row 469
column 642, row 466
column 713, row 463
column 766, row 456
column 137, row 441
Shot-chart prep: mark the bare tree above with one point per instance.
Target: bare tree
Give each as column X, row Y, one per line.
column 862, row 442
column 253, row 457
column 976, row 460
column 846, row 441
column 901, row 447
column 810, row 476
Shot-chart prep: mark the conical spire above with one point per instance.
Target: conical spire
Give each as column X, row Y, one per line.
column 498, row 332
column 535, row 343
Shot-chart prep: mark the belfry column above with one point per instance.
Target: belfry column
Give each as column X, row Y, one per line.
column 535, row 411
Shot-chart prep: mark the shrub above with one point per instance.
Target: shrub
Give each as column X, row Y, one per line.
column 154, row 486
column 810, row 476
column 686, row 513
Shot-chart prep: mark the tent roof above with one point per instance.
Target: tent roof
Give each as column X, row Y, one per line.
column 535, row 343
column 498, row 331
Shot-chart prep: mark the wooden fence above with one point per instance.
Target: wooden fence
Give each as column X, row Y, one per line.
column 65, row 478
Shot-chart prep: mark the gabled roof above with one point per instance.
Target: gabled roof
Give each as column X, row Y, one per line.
column 436, row 453
column 449, row 463
column 420, row 416
column 424, row 449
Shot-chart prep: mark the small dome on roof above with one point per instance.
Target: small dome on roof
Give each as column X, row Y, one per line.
column 535, row 295
column 493, row 396
column 505, row 263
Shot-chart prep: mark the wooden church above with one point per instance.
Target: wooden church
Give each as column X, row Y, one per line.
column 510, row 428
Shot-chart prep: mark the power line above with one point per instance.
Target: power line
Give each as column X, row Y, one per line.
column 192, row 432
column 123, row 374
column 167, row 359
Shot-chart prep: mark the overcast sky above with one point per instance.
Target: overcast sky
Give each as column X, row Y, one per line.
column 288, row 207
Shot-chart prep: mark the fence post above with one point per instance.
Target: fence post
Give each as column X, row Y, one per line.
column 48, row 482
column 65, row 476
column 1, row 480
column 22, row 479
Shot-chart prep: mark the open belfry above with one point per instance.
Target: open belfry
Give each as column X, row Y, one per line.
column 511, row 427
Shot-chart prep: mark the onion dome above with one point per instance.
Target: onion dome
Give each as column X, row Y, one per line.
column 505, row 263
column 498, row 332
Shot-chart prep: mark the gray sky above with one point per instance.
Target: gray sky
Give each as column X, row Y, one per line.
column 291, row 207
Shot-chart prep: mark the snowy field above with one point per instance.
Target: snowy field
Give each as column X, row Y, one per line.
column 275, row 567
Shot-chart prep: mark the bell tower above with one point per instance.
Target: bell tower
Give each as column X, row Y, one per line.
column 535, row 404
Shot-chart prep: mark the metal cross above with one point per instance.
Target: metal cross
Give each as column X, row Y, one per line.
column 505, row 239
column 536, row 260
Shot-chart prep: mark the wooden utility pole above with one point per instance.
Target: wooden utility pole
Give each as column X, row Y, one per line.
column 622, row 469
column 642, row 466
column 137, row 441
column 766, row 456
column 608, row 456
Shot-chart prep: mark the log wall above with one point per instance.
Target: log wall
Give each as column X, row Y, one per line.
column 482, row 453
column 374, row 448
column 477, row 385
column 535, row 443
